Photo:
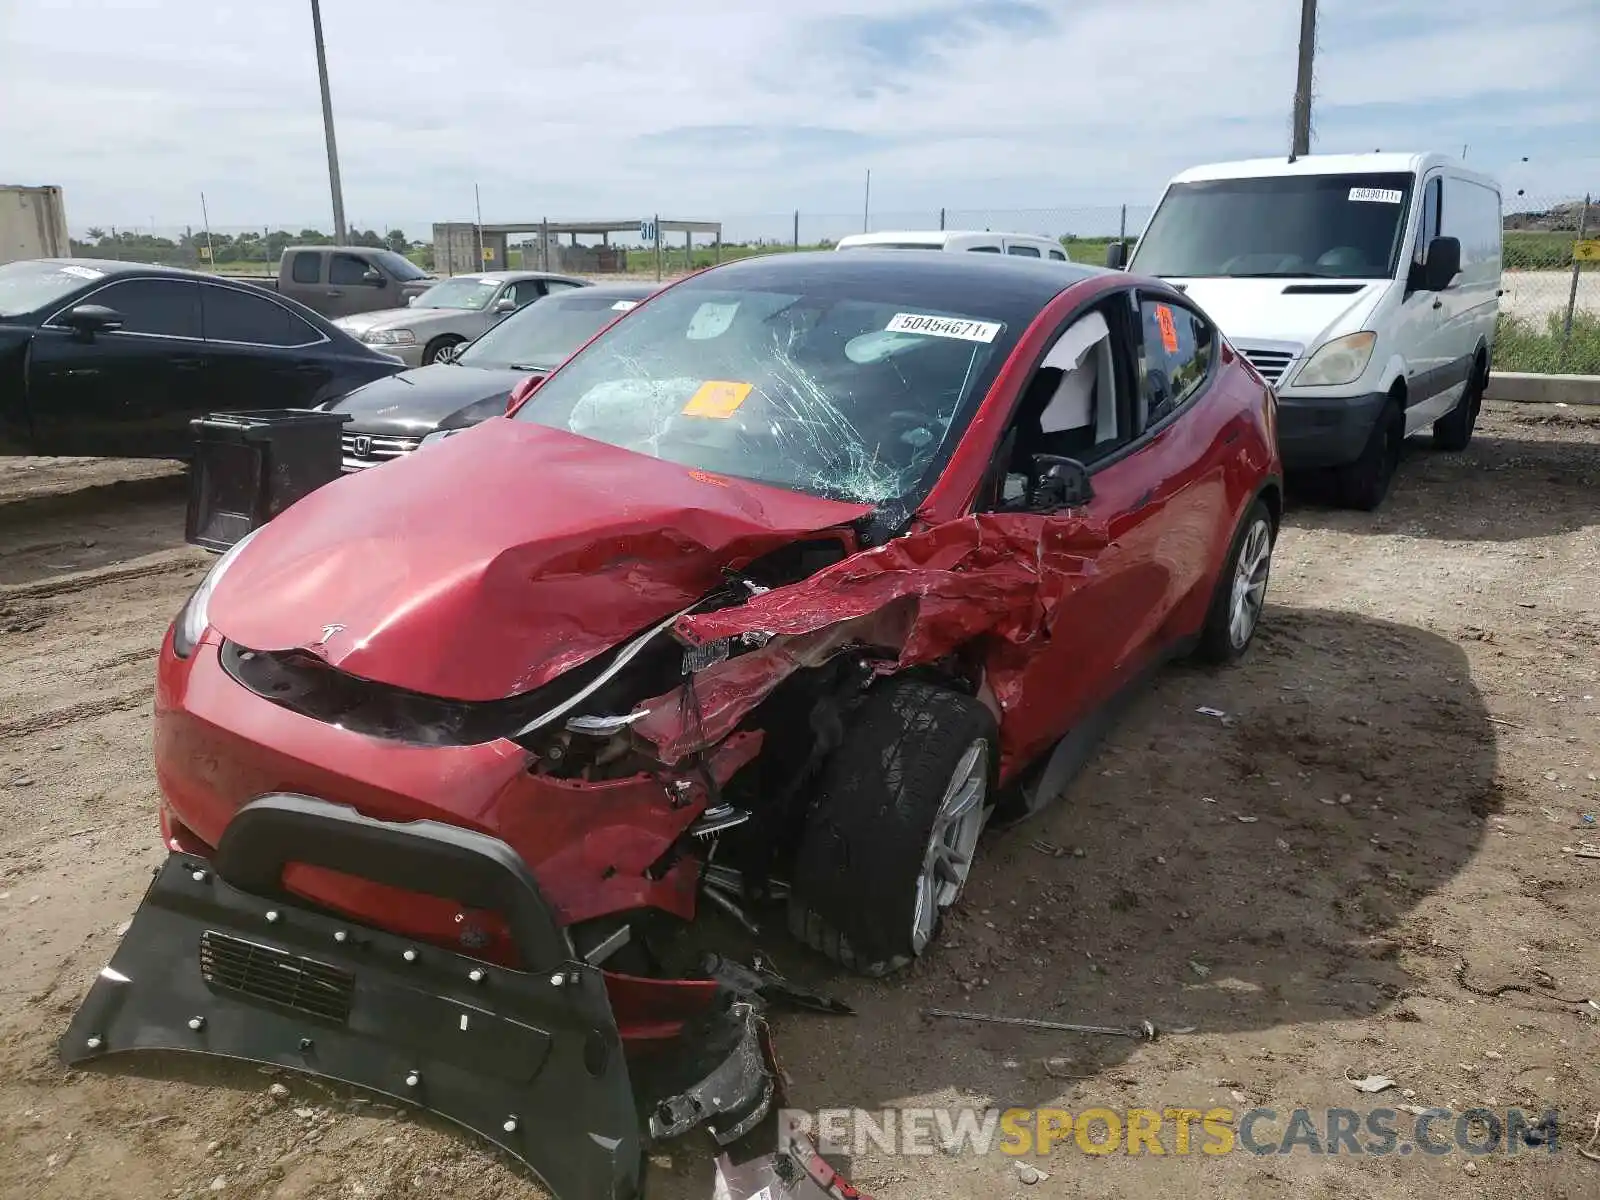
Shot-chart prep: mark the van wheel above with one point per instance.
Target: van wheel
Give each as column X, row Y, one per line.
column 1241, row 592
column 1364, row 483
column 890, row 839
column 1454, row 430
column 431, row 352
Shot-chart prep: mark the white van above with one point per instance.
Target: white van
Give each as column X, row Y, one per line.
column 1363, row 287
column 1026, row 245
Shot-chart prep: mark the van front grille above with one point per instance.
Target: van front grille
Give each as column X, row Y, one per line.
column 1271, row 363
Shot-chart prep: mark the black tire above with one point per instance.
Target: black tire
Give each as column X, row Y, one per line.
column 1453, row 431
column 1364, row 483
column 853, row 889
column 1218, row 643
column 430, row 352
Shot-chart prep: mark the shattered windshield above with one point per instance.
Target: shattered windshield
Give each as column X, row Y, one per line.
column 844, row 396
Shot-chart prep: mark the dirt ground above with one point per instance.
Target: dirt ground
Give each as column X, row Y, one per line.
column 1405, row 762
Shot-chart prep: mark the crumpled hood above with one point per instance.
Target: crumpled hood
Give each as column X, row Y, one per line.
column 488, row 564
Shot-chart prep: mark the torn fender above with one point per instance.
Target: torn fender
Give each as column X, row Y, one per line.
column 990, row 579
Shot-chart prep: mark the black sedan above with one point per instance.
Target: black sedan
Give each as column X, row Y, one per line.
column 391, row 417
column 113, row 358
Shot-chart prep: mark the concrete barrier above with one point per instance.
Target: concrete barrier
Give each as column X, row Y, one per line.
column 1527, row 388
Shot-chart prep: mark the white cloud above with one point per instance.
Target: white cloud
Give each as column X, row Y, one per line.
column 712, row 108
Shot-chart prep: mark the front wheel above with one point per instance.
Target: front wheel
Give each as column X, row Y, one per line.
column 1241, row 592
column 1364, row 483
column 431, row 352
column 890, row 840
column 1453, row 431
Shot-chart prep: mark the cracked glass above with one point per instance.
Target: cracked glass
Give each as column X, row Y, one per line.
column 824, row 393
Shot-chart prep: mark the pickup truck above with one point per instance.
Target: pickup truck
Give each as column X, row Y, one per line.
column 338, row 281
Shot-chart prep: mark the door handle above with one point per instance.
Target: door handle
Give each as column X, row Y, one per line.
column 334, row 293
column 188, row 364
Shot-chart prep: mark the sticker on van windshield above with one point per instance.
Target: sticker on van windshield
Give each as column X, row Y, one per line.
column 945, row 327
column 1376, row 195
column 717, row 398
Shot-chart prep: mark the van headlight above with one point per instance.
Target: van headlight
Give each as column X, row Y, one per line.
column 1338, row 362
column 195, row 614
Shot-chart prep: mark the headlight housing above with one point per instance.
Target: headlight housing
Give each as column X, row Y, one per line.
column 195, row 615
column 1338, row 362
column 389, row 337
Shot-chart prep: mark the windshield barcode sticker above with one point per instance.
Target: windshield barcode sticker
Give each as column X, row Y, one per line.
column 1376, row 195
column 945, row 327
column 83, row 272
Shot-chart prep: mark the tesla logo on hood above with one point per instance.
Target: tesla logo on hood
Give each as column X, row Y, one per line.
column 327, row 632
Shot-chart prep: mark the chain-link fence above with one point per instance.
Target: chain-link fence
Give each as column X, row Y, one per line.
column 1549, row 313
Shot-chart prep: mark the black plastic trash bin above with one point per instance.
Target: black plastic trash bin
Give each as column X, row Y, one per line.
column 250, row 466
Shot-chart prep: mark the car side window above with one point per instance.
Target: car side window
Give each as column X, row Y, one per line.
column 983, row 249
column 1057, row 256
column 236, row 316
column 1432, row 218
column 160, row 307
column 1176, row 350
column 1077, row 404
column 551, row 286
column 346, row 270
column 306, row 268
column 1024, row 251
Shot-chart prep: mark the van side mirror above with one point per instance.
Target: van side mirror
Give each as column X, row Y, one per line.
column 1442, row 264
column 90, row 319
column 1058, row 482
column 1117, row 256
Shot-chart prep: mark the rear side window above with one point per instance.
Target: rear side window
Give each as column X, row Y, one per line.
column 163, row 307
column 306, row 268
column 983, row 249
column 235, row 316
column 1024, row 251
column 1177, row 348
column 1057, row 256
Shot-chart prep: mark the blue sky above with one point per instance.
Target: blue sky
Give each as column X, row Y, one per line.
column 717, row 109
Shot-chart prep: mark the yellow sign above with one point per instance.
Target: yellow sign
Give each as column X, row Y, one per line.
column 205, row 251
column 1588, row 251
column 718, row 398
column 488, row 254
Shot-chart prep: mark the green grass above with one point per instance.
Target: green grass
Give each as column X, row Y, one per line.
column 1536, row 250
column 1520, row 345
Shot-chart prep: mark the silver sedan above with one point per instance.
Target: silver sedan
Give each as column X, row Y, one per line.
column 452, row 312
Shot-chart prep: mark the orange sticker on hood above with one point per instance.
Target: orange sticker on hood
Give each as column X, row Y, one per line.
column 717, row 398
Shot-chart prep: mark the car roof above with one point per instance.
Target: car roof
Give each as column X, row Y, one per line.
column 1374, row 163
column 1033, row 281
column 934, row 237
column 112, row 266
column 619, row 291
column 506, row 274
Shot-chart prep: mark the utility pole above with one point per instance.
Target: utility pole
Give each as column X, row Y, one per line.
column 340, row 234
column 1301, row 143
column 866, row 204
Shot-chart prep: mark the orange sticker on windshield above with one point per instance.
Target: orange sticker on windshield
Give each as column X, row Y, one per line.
column 717, row 398
column 1169, row 329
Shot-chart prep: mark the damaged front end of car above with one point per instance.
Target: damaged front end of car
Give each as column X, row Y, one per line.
column 220, row 961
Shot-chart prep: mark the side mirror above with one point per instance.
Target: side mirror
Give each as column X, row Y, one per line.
column 1058, row 482
column 505, row 305
column 1117, row 255
column 411, row 299
column 523, row 390
column 1442, row 264
column 89, row 319
column 374, row 277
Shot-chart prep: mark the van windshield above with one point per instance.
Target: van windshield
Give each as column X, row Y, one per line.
column 1317, row 226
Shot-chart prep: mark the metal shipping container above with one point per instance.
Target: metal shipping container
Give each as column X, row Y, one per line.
column 33, row 223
